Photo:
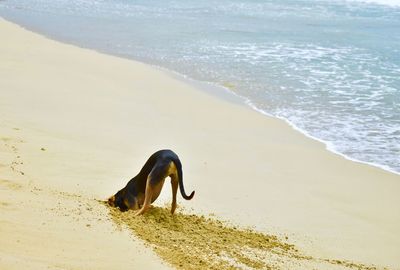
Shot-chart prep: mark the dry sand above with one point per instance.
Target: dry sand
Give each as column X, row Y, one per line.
column 75, row 125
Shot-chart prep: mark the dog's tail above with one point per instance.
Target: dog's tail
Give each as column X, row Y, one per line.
column 178, row 165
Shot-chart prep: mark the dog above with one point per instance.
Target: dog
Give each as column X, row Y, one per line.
column 144, row 188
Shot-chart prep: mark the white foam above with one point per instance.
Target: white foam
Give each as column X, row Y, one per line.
column 392, row 3
column 329, row 145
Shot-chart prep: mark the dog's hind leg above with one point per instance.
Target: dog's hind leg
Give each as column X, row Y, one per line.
column 174, row 185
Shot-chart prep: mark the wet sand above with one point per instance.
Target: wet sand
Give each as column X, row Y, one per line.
column 190, row 241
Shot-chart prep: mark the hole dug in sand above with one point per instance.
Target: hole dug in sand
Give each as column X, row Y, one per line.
column 188, row 241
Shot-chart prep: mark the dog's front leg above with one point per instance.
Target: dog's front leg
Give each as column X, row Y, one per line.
column 147, row 198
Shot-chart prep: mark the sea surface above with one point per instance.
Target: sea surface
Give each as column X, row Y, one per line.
column 331, row 68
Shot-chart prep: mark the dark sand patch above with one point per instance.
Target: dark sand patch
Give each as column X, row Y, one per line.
column 188, row 241
column 4, row 204
column 10, row 184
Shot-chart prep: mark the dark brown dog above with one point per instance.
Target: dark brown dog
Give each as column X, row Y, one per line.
column 144, row 188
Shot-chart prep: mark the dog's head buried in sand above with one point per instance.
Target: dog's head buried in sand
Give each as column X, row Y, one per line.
column 144, row 188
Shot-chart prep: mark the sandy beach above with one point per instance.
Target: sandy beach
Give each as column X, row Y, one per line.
column 76, row 125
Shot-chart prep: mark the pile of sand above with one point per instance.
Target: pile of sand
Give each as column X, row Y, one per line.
column 189, row 241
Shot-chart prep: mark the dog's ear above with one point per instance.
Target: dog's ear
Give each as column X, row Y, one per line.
column 122, row 206
column 130, row 201
column 119, row 201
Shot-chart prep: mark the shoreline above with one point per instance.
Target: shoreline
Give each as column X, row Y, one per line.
column 228, row 94
column 294, row 185
column 224, row 93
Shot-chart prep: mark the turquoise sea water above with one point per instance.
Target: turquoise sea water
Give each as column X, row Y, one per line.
column 331, row 68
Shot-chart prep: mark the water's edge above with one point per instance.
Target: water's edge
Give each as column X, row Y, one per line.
column 217, row 90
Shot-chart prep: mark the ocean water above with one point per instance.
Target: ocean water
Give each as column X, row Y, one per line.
column 330, row 68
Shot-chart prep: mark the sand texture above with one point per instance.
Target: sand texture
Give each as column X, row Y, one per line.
column 76, row 125
column 189, row 241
